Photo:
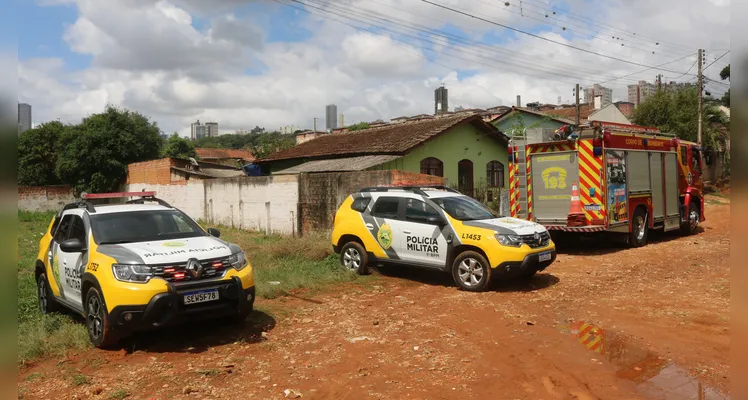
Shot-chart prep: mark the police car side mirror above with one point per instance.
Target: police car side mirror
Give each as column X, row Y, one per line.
column 214, row 232
column 72, row 246
column 435, row 221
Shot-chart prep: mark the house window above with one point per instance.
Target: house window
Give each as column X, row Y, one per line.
column 495, row 174
column 432, row 166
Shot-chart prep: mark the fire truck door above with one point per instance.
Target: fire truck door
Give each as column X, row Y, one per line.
column 552, row 177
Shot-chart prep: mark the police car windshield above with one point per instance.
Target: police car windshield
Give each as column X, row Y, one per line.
column 464, row 208
column 142, row 226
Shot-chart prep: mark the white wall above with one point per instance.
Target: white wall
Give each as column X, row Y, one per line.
column 266, row 204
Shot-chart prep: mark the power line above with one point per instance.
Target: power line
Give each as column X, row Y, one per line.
column 543, row 38
column 645, row 70
column 689, row 70
column 710, row 64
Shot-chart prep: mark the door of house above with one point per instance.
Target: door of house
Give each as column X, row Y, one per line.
column 465, row 177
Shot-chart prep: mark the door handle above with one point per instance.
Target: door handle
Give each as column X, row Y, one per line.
column 369, row 226
column 405, row 231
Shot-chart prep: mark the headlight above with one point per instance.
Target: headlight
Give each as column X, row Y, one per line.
column 509, row 240
column 238, row 261
column 132, row 273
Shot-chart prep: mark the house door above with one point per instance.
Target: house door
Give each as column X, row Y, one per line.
column 465, row 177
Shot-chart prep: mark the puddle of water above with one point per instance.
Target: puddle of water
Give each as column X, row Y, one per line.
column 654, row 375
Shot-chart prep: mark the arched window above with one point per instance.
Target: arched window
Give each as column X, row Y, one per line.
column 432, row 166
column 495, row 174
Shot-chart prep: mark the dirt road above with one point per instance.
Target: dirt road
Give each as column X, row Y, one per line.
column 608, row 323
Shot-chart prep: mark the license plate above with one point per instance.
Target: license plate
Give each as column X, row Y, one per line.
column 201, row 296
column 544, row 257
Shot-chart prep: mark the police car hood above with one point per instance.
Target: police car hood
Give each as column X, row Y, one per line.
column 168, row 251
column 508, row 226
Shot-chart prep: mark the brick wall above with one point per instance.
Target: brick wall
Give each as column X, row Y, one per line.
column 320, row 195
column 44, row 198
column 156, row 172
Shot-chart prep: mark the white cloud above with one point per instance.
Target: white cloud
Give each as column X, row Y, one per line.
column 149, row 56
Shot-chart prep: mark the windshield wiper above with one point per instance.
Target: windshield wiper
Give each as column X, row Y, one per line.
column 117, row 242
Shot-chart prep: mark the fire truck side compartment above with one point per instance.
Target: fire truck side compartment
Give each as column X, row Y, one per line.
column 658, row 190
column 553, row 174
column 671, row 192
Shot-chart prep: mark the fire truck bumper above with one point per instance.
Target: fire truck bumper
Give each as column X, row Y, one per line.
column 529, row 265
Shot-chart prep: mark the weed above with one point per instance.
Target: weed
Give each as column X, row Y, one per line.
column 34, row 376
column 80, row 379
column 119, row 394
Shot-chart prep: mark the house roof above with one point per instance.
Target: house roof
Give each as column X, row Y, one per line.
column 387, row 139
column 358, row 163
column 571, row 113
column 212, row 172
column 208, row 153
column 538, row 113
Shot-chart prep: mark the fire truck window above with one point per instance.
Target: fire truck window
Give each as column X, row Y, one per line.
column 696, row 159
column 683, row 156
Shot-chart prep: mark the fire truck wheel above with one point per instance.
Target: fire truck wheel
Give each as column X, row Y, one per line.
column 639, row 230
column 689, row 228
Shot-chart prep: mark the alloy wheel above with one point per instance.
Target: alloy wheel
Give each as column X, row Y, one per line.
column 470, row 272
column 352, row 259
column 94, row 319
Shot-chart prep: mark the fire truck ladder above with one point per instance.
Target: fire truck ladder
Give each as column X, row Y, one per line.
column 521, row 174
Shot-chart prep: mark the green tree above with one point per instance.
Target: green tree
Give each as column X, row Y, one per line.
column 178, row 147
column 271, row 142
column 359, row 126
column 37, row 154
column 676, row 112
column 725, row 74
column 96, row 152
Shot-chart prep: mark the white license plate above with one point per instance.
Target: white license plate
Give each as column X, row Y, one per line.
column 544, row 257
column 201, row 296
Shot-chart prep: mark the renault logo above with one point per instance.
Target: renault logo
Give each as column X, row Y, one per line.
column 194, row 267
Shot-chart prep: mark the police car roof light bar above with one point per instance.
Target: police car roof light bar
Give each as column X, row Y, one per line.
column 116, row 195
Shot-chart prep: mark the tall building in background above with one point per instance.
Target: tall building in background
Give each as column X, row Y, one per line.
column 211, row 129
column 441, row 102
column 24, row 117
column 197, row 130
column 598, row 90
column 640, row 92
column 331, row 116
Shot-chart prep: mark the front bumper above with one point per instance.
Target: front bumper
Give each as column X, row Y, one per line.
column 530, row 263
column 168, row 307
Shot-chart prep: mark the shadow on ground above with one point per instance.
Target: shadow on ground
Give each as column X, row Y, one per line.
column 540, row 281
column 607, row 243
column 197, row 337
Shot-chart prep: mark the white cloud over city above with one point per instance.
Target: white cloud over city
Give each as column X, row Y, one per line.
column 149, row 56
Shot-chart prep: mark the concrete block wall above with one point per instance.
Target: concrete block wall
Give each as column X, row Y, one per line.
column 265, row 203
column 44, row 198
column 188, row 196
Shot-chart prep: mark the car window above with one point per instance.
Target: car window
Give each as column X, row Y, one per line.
column 465, row 208
column 386, row 207
column 419, row 211
column 143, row 226
column 77, row 229
column 360, row 204
column 63, row 229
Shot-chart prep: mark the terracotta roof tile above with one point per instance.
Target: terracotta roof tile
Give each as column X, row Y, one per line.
column 387, row 139
column 571, row 112
column 208, row 153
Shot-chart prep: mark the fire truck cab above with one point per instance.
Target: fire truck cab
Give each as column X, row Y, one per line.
column 607, row 177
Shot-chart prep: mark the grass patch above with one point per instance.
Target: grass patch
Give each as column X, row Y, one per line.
column 119, row 394
column 283, row 264
column 79, row 380
column 40, row 335
column 34, row 376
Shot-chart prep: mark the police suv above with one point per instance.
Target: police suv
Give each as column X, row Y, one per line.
column 439, row 228
column 136, row 266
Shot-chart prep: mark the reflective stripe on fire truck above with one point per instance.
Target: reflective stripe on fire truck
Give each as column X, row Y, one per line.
column 513, row 185
column 590, row 168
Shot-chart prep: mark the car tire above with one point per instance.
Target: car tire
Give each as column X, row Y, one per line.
column 471, row 271
column 692, row 224
column 353, row 258
column 97, row 324
column 47, row 302
column 639, row 229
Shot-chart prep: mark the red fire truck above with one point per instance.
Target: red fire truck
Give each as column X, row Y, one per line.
column 629, row 179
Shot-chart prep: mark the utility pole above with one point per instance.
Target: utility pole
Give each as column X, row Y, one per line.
column 576, row 93
column 701, row 89
column 659, row 81
column 315, row 124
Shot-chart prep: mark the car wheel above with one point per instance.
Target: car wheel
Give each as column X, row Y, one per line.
column 47, row 302
column 99, row 332
column 471, row 271
column 353, row 258
column 694, row 216
column 639, row 229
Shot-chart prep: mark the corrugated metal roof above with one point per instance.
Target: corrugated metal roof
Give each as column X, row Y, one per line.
column 339, row 164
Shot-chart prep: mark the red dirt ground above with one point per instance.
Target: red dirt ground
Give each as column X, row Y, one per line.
column 662, row 314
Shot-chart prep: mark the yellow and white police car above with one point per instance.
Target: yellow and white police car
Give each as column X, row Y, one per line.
column 137, row 266
column 437, row 227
